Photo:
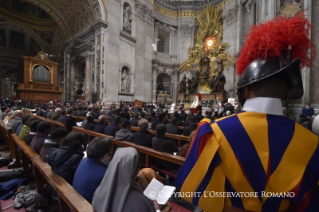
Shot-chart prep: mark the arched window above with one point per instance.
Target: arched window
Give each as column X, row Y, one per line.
column 41, row 74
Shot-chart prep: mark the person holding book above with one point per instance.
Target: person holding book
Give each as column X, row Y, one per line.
column 119, row 190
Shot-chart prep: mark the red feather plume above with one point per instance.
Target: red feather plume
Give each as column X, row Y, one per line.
column 270, row 38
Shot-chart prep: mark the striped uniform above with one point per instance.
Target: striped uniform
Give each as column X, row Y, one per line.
column 252, row 152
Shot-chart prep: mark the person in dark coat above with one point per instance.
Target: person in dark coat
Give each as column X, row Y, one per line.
column 53, row 141
column 45, row 113
column 113, row 128
column 96, row 113
column 182, row 116
column 179, row 120
column 41, row 111
column 111, row 119
column 44, row 128
column 199, row 116
column 89, row 123
column 158, row 121
column 134, row 121
column 193, row 126
column 65, row 159
column 123, row 117
column 68, row 120
column 91, row 169
column 101, row 125
column 161, row 143
column 61, row 117
column 173, row 128
column 16, row 121
column 153, row 117
column 33, row 131
column 50, row 113
column 143, row 137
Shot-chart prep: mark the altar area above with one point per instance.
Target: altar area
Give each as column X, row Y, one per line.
column 206, row 62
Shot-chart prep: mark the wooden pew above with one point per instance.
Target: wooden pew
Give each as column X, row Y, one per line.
column 179, row 138
column 68, row 197
column 90, row 133
column 26, row 154
column 149, row 152
column 56, row 124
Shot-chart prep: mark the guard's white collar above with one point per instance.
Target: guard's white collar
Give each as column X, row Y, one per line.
column 264, row 105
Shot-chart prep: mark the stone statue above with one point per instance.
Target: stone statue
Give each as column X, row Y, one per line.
column 126, row 18
column 125, row 80
column 76, row 86
column 160, row 86
column 192, row 83
column 217, row 83
column 182, row 85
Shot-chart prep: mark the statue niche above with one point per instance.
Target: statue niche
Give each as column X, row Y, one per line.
column 125, row 81
column 127, row 18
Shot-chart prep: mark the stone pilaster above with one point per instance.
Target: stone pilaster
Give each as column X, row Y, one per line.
column 87, row 88
column 72, row 81
column 154, row 85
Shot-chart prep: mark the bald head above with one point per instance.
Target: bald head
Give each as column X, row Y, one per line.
column 18, row 113
column 102, row 119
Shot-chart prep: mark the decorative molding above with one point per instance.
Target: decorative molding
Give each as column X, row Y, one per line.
column 186, row 29
column 290, row 8
column 127, row 37
column 248, row 5
column 143, row 11
column 231, row 15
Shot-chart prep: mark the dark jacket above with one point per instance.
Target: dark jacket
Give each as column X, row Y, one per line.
column 155, row 123
column 143, row 138
column 187, row 130
column 89, row 126
column 69, row 121
column 15, row 123
column 49, row 114
column 88, row 177
column 38, row 141
column 47, row 146
column 173, row 129
column 61, row 118
column 134, row 122
column 307, row 111
column 29, row 139
column 111, row 119
column 40, row 112
column 64, row 161
column 182, row 116
column 100, row 128
column 124, row 135
column 165, row 145
column 199, row 117
column 45, row 113
column 111, row 130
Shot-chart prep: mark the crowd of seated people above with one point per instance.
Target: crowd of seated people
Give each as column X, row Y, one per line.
column 63, row 149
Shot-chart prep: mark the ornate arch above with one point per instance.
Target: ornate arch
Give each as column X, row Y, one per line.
column 73, row 17
column 34, row 35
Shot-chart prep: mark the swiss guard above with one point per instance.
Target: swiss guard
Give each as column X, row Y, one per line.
column 258, row 159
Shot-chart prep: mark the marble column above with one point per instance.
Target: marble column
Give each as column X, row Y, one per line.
column 154, row 85
column 176, row 73
column 67, row 78
column 87, row 88
column 72, row 81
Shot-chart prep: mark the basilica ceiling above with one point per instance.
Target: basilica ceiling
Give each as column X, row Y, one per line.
column 54, row 21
